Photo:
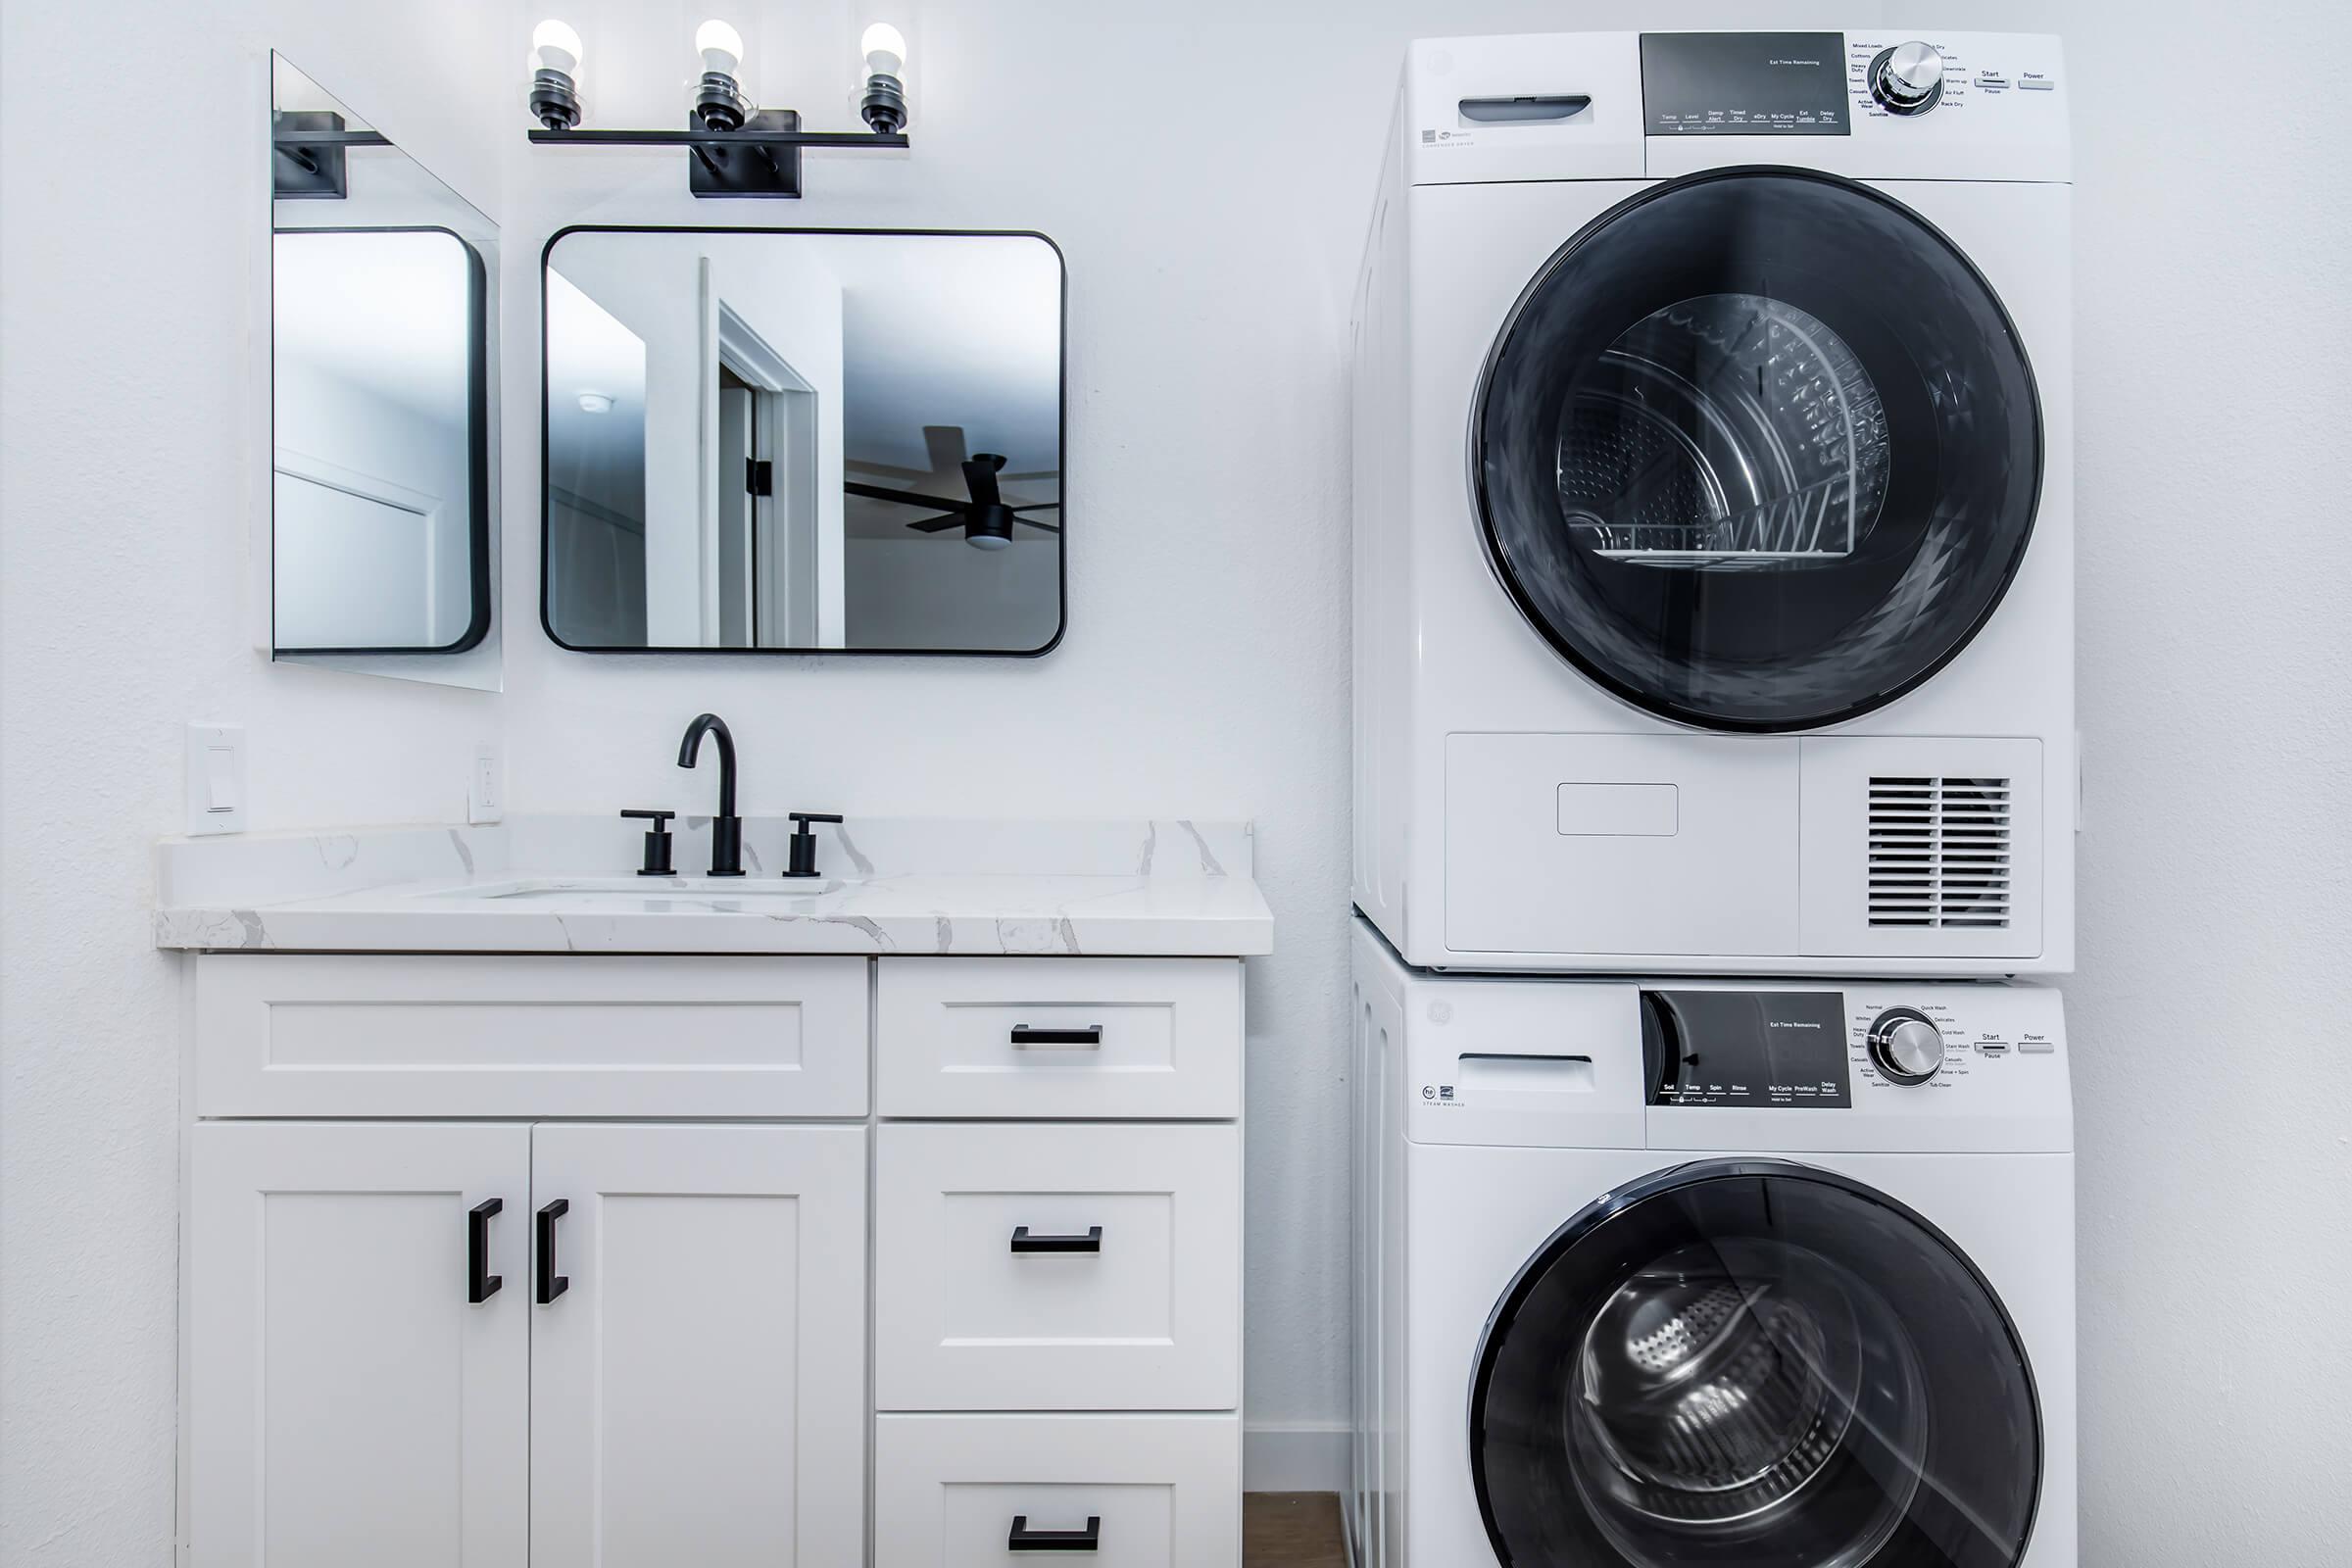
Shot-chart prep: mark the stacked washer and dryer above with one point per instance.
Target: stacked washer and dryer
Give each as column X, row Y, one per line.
column 1715, row 780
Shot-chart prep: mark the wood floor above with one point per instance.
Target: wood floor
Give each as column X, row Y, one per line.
column 1292, row 1530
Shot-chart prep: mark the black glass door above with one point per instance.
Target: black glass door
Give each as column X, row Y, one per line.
column 1754, row 1364
column 1758, row 449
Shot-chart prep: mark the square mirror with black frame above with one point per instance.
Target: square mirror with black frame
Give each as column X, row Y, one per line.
column 381, row 470
column 792, row 441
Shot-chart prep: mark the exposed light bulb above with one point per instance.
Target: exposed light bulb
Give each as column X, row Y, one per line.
column 720, row 46
column 555, row 97
column 885, row 50
column 555, row 46
column 884, row 105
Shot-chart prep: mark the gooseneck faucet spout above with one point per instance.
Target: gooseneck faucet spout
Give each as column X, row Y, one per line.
column 726, row 828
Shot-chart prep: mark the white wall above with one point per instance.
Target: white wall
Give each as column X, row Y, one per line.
column 133, row 446
column 1207, row 170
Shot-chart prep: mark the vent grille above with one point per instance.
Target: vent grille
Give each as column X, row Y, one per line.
column 1939, row 853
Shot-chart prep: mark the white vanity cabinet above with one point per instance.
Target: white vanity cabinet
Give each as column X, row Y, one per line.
column 1058, row 1263
column 496, row 1259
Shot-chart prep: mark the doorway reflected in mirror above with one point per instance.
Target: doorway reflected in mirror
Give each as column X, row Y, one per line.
column 776, row 441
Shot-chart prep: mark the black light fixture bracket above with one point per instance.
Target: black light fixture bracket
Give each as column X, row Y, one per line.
column 762, row 159
column 308, row 147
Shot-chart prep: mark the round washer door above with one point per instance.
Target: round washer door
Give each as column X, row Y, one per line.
column 1753, row 1363
column 1758, row 449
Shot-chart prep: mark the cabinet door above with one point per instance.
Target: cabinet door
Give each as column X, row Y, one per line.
column 698, row 1386
column 351, row 1405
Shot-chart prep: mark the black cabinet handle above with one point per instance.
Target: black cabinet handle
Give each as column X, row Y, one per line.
column 1030, row 1035
column 480, row 1283
column 550, row 1282
column 1024, row 1539
column 1091, row 1242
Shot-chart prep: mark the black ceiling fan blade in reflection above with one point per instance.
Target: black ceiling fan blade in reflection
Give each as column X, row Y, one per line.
column 1041, row 527
column 980, row 476
column 875, row 492
column 939, row 525
column 1039, row 506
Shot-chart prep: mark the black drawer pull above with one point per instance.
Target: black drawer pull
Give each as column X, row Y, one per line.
column 480, row 1283
column 550, row 1282
column 1091, row 1242
column 1024, row 1034
column 1024, row 1539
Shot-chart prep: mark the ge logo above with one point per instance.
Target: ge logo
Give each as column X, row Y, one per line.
column 1429, row 1091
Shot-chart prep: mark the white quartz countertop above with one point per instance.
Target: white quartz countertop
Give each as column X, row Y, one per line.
column 566, row 885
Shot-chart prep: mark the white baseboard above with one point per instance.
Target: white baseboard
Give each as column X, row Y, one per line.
column 1295, row 1456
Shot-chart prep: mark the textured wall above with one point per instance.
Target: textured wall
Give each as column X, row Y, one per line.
column 2214, row 1123
column 1207, row 169
column 132, row 430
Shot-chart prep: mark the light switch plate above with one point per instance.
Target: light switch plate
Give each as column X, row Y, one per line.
column 215, row 775
column 486, row 786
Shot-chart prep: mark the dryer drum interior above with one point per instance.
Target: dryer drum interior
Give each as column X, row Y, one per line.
column 1758, row 449
column 1757, row 1363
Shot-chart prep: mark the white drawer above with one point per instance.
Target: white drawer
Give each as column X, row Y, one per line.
column 1060, row 1037
column 528, row 1035
column 991, row 1294
column 1150, row 1491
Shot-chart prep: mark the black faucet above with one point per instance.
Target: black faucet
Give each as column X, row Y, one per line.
column 726, row 828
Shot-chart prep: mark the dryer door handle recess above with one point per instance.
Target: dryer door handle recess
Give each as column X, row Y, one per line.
column 1526, row 109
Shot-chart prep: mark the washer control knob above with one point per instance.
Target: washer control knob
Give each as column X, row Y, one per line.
column 1908, row 78
column 1905, row 1046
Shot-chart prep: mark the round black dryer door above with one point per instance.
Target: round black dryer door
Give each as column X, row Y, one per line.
column 1757, row 449
column 1754, row 1364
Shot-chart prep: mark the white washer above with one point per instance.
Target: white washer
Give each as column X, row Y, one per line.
column 1714, row 507
column 1693, row 1272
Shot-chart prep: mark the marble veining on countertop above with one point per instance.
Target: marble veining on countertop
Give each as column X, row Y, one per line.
column 566, row 885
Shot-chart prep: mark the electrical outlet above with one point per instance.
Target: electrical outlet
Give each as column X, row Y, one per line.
column 486, row 786
column 215, row 775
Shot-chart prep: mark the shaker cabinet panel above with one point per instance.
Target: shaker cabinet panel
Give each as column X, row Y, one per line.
column 1029, row 1037
column 1128, row 1491
column 530, row 1035
column 360, row 1321
column 698, row 1348
column 1058, row 1266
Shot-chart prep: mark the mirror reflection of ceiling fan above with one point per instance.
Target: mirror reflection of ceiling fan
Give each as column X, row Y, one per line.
column 985, row 518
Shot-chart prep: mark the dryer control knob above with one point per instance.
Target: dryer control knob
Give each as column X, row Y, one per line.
column 1908, row 78
column 1905, row 1046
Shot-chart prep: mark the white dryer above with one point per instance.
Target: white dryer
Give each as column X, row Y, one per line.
column 1714, row 575
column 1771, row 1274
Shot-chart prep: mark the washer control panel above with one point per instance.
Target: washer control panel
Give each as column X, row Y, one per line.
column 1905, row 1046
column 1791, row 1047
column 1910, row 1039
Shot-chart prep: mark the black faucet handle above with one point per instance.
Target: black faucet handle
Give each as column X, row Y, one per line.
column 658, row 842
column 804, row 841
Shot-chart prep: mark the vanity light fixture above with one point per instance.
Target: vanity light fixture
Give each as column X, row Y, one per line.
column 884, row 106
column 737, row 150
column 718, row 101
column 556, row 75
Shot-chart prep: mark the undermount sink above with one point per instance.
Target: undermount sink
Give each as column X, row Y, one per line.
column 634, row 889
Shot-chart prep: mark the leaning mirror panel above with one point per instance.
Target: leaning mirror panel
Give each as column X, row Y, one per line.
column 381, row 471
column 792, row 441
